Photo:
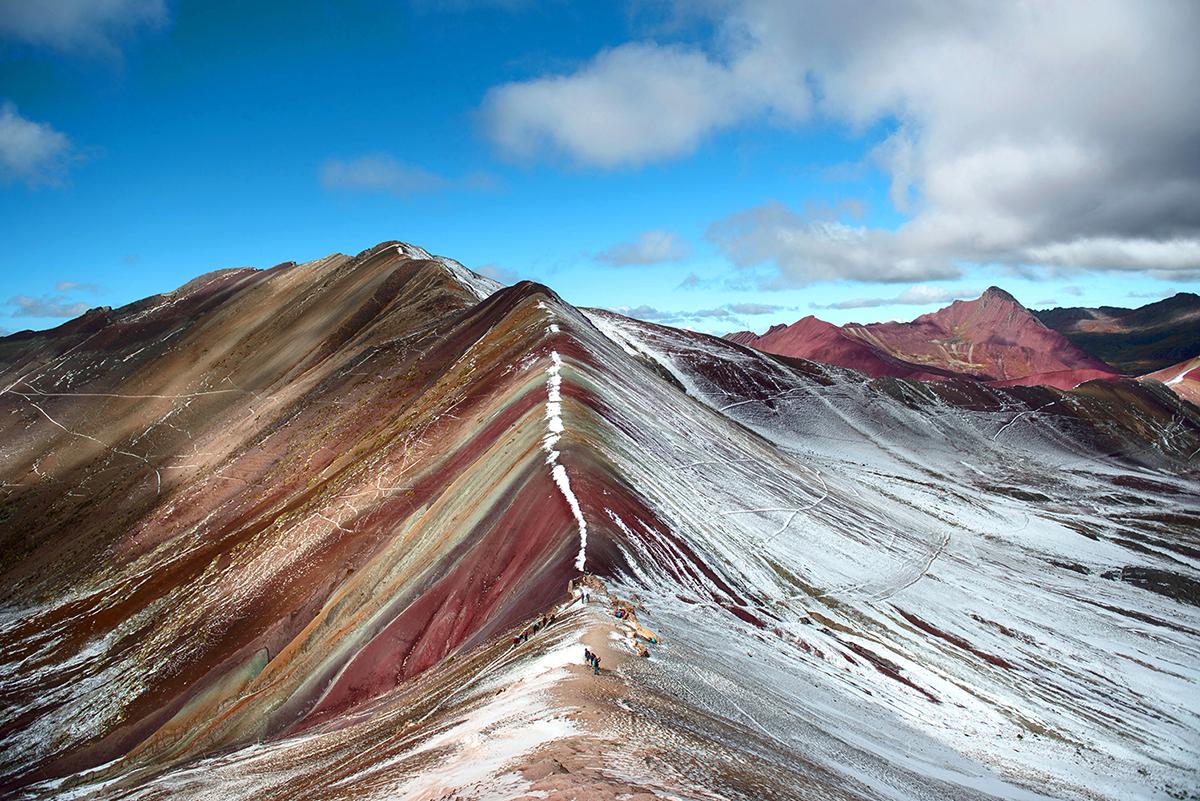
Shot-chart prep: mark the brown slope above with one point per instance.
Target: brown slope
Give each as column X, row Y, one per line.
column 742, row 337
column 239, row 497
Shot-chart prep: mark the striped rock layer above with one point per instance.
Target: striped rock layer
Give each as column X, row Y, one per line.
column 270, row 535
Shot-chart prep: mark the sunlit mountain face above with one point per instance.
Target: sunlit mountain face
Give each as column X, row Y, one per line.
column 326, row 531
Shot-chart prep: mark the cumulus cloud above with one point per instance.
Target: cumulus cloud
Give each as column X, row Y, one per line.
column 651, row 247
column 32, row 153
column 45, row 306
column 635, row 103
column 919, row 295
column 78, row 25
column 1054, row 134
column 804, row 249
column 384, row 173
column 1160, row 258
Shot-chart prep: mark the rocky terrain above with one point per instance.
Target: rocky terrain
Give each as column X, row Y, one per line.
column 300, row 532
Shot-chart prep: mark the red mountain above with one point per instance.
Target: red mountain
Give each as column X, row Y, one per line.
column 819, row 341
column 992, row 339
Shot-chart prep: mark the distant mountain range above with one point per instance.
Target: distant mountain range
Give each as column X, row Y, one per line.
column 1134, row 341
column 996, row 340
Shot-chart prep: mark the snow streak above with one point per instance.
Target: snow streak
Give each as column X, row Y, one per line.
column 554, row 429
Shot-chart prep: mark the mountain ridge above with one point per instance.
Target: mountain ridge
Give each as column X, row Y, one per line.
column 290, row 528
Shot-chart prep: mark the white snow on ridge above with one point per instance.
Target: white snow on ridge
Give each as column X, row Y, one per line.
column 554, row 428
column 1184, row 369
column 482, row 286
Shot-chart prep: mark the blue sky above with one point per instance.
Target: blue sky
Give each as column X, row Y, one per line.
column 728, row 166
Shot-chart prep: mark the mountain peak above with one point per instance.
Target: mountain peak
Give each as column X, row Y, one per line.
column 997, row 294
column 991, row 338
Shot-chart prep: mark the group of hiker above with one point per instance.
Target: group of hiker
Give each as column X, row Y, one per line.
column 585, row 588
column 534, row 628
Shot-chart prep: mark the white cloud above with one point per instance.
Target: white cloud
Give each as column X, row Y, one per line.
column 754, row 308
column 384, row 173
column 77, row 286
column 651, row 247
column 728, row 312
column 1114, row 253
column 1059, row 133
column 78, row 25
column 919, row 295
column 630, row 105
column 45, row 306
column 645, row 312
column 32, row 153
column 806, row 250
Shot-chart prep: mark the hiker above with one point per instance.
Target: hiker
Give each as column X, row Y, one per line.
column 588, row 656
column 595, row 665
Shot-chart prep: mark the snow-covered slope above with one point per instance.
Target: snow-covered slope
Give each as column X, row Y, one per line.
column 943, row 580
